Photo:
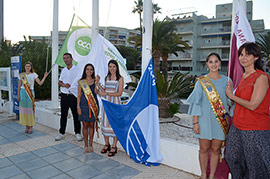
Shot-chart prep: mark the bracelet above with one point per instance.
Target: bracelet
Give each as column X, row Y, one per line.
column 195, row 123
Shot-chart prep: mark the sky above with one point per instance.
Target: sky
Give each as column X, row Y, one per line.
column 35, row 17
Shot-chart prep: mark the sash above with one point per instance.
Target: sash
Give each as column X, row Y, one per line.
column 28, row 90
column 92, row 104
column 220, row 113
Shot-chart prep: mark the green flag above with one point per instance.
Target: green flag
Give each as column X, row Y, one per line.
column 78, row 42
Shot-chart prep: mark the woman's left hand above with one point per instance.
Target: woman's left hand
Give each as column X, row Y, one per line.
column 229, row 91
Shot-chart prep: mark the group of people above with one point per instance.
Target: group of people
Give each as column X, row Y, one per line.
column 212, row 101
column 84, row 107
column 247, row 138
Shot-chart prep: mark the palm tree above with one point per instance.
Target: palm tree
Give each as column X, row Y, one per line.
column 264, row 43
column 179, row 86
column 138, row 8
column 165, row 41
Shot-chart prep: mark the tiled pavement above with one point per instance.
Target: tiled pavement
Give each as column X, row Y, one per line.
column 38, row 155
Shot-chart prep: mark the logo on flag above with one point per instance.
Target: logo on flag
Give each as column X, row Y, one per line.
column 136, row 124
column 241, row 33
column 78, row 42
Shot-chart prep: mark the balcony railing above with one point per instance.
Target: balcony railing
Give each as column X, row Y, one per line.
column 222, row 43
column 216, row 30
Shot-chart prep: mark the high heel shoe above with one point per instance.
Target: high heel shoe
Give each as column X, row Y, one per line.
column 106, row 148
column 112, row 153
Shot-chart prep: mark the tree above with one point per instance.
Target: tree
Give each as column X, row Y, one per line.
column 138, row 8
column 132, row 56
column 264, row 43
column 165, row 41
column 179, row 86
column 36, row 53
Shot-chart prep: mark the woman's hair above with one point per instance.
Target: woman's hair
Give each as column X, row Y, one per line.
column 32, row 69
column 213, row 54
column 252, row 49
column 84, row 71
column 118, row 76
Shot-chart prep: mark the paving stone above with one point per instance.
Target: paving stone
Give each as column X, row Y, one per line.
column 11, row 149
column 36, row 133
column 122, row 171
column 55, row 158
column 9, row 171
column 22, row 157
column 44, row 172
column 45, row 151
column 61, row 176
column 64, row 146
column 84, row 172
column 67, row 165
column 105, row 164
column 21, row 176
column 19, row 138
column 4, row 162
column 74, row 152
column 32, row 164
column 4, row 141
column 89, row 158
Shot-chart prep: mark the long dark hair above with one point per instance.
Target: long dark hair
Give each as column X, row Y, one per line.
column 84, row 71
column 118, row 76
column 252, row 49
column 213, row 54
column 32, row 68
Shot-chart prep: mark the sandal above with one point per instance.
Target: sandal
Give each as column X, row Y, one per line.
column 91, row 149
column 26, row 129
column 86, row 150
column 106, row 148
column 112, row 153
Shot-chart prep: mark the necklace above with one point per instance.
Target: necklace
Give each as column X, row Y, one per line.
column 247, row 74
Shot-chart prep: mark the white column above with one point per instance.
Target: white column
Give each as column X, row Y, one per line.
column 147, row 33
column 1, row 20
column 54, row 95
column 95, row 20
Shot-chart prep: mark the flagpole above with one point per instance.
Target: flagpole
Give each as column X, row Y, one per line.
column 54, row 95
column 147, row 33
column 95, row 17
column 234, row 5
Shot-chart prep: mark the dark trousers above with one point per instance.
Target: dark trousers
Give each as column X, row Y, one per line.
column 69, row 101
column 248, row 153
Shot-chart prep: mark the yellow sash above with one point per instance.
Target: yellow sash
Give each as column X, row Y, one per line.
column 92, row 104
column 216, row 104
column 28, row 90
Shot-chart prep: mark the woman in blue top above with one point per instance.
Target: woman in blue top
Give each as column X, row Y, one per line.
column 205, row 125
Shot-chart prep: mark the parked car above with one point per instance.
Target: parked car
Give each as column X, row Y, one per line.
column 124, row 98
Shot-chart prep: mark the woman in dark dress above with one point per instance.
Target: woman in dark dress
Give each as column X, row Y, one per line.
column 87, row 105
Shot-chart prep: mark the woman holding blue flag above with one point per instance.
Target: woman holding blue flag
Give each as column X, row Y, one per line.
column 209, row 107
column 114, row 84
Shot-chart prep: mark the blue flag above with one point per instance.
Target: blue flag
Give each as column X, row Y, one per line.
column 136, row 124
